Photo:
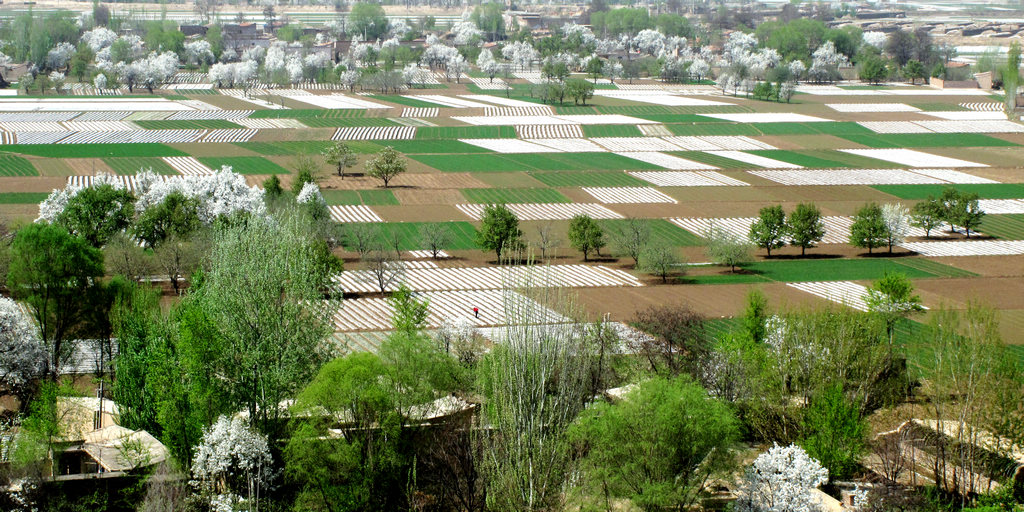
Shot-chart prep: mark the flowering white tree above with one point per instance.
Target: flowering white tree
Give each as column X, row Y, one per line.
column 54, row 204
column 612, row 70
column 274, row 62
column 222, row 193
column 310, row 193
column 825, row 63
column 797, row 68
column 738, row 47
column 198, row 53
column 100, row 82
column 875, row 38
column 896, row 218
column 699, row 69
column 60, row 55
column 294, row 69
column 466, row 32
column 487, row 64
column 649, row 41
column 349, row 79
column 23, row 357
column 781, row 480
column 232, row 466
column 521, row 54
column 398, row 28
column 99, row 38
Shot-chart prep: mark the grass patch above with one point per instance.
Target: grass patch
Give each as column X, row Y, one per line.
column 95, row 150
column 22, row 197
column 463, row 234
column 800, row 158
column 338, row 122
column 711, row 159
column 588, row 179
column 405, row 100
column 1007, row 227
column 199, row 124
column 434, row 146
column 245, row 164
column 513, row 195
column 927, row 140
column 16, row 166
column 359, row 197
column 713, row 129
column 611, row 130
column 792, row 271
column 532, row 162
column 466, row 132
column 984, row 190
column 132, row 165
column 299, row 147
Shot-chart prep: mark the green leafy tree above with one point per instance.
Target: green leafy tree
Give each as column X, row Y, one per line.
column 834, row 432
column 962, row 210
column 914, row 70
column 927, row 215
column 176, row 215
column 579, row 90
column 138, row 325
column 893, row 298
column 868, row 229
column 306, row 171
column 272, row 187
column 585, row 235
column 340, row 155
column 499, row 230
column 658, row 447
column 96, row 213
column 387, row 164
column 873, row 70
column 57, row 275
column 488, row 18
column 630, row 237
column 755, row 316
column 368, row 21
column 769, row 230
column 662, row 260
column 805, row 226
column 1011, row 77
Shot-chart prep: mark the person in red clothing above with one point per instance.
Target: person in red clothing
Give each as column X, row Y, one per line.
column 476, row 312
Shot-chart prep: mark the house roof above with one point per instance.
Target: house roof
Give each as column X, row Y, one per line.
column 116, row 448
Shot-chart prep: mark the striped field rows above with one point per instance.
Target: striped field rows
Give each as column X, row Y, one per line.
column 842, row 292
column 1001, row 206
column 375, row 133
column 544, row 211
column 566, row 131
column 488, row 278
column 868, row 176
column 611, row 195
column 687, row 179
column 188, row 165
column 420, row 112
column 837, row 229
column 967, row 248
column 353, row 213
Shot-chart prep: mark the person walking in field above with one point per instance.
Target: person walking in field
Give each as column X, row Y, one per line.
column 476, row 312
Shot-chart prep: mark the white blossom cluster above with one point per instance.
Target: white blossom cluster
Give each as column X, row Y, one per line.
column 875, row 38
column 587, row 38
column 521, row 54
column 398, row 28
column 233, row 73
column 99, row 38
column 232, row 464
column 465, row 31
column 896, row 218
column 310, row 193
column 221, row 193
column 54, row 204
column 825, row 61
column 60, row 55
column 23, row 356
column 198, row 52
column 485, row 61
column 781, row 480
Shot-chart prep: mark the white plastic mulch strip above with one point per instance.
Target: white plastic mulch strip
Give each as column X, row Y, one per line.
column 1001, row 206
column 912, row 158
column 421, row 112
column 968, row 115
column 518, row 111
column 411, row 121
column 270, row 124
column 944, row 126
column 609, row 195
column 658, row 98
column 567, row 131
column 871, row 107
column 188, row 86
column 450, row 101
column 605, row 119
column 635, row 144
column 714, row 142
column 34, row 137
column 369, row 314
column 147, row 116
column 251, row 97
column 419, row 278
column 868, row 176
column 100, row 126
column 498, row 100
column 229, row 135
column 985, row 106
column 35, row 117
column 569, row 145
column 188, row 165
column 894, row 127
column 133, row 137
column 654, row 130
column 687, row 179
column 509, row 146
column 103, row 116
column 768, row 117
column 487, row 84
column 199, row 104
column 967, row 248
column 91, row 104
column 843, row 292
column 551, row 120
column 837, row 229
column 758, row 160
column 32, row 126
column 8, row 138
column 375, row 133
column 544, row 211
column 204, row 115
column 353, row 213
column 339, row 101
column 127, row 181
column 831, row 90
column 422, row 255
column 666, row 161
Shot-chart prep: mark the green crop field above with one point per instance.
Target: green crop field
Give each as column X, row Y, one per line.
column 199, row 124
column 1007, row 227
column 94, row 150
column 791, row 271
column 337, row 122
column 303, row 147
column 713, row 129
column 984, row 190
column 466, row 132
column 22, row 197
column 532, row 162
column 463, row 234
column 132, row 165
column 926, row 140
column 358, row 197
column 611, row 130
column 680, row 119
column 825, row 158
column 434, row 146
column 16, row 166
column 405, row 100
column 588, row 179
column 245, row 164
column 513, row 195
column 664, row 232
column 813, row 128
column 711, row 159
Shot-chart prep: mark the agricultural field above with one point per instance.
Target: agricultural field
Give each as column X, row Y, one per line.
column 674, row 166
